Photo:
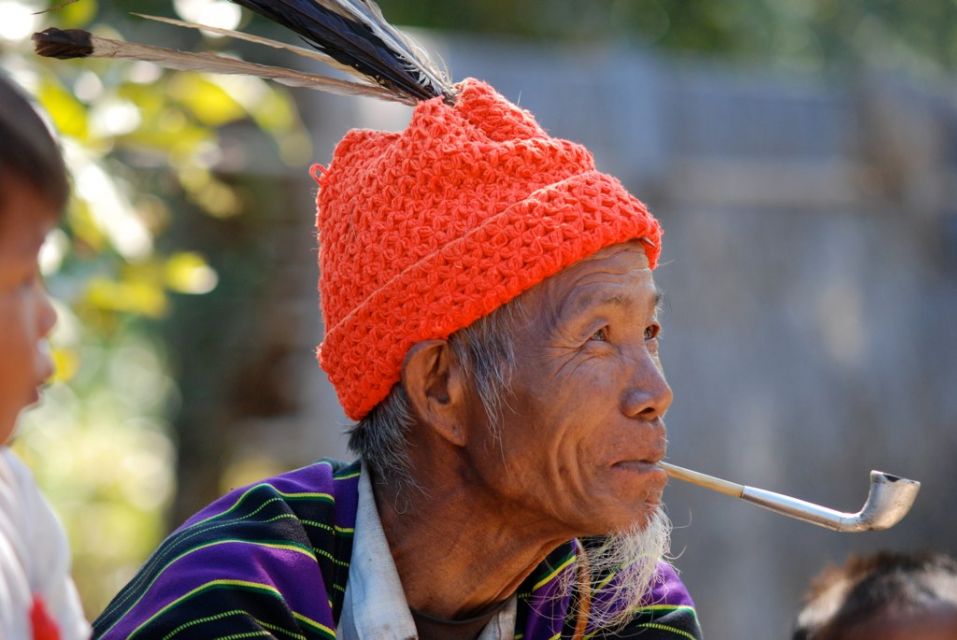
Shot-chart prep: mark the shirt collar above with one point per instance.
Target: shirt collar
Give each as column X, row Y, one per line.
column 375, row 607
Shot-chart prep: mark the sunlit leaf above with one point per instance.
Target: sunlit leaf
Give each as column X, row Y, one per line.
column 84, row 226
column 114, row 117
column 214, row 196
column 139, row 297
column 77, row 14
column 275, row 112
column 66, row 363
column 172, row 136
column 208, row 101
column 150, row 99
column 188, row 273
column 67, row 112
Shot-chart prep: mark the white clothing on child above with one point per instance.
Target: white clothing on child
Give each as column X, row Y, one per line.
column 34, row 558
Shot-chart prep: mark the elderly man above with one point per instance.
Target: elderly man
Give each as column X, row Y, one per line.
column 492, row 326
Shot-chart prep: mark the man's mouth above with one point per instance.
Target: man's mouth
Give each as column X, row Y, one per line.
column 647, row 470
column 639, row 466
column 643, row 478
column 642, row 459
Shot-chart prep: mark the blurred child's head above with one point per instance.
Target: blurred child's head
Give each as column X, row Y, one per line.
column 887, row 596
column 33, row 192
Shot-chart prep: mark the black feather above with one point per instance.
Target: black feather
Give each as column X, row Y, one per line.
column 348, row 41
column 63, row 43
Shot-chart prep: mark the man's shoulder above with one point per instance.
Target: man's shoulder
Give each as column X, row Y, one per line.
column 327, row 490
column 668, row 589
column 667, row 611
column 303, row 516
column 272, row 553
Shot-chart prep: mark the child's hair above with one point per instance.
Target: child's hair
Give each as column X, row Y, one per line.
column 841, row 598
column 28, row 153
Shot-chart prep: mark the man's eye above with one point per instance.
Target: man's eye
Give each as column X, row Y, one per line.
column 601, row 335
column 652, row 331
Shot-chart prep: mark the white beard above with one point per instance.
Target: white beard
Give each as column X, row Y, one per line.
column 634, row 555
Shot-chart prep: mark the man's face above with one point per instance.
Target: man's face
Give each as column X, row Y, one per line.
column 583, row 430
column 26, row 315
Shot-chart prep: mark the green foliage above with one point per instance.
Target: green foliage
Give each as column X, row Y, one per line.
column 921, row 36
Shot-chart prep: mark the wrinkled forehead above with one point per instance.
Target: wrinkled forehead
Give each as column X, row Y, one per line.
column 627, row 256
column 620, row 272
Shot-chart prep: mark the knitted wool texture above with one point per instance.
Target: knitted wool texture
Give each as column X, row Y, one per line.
column 423, row 232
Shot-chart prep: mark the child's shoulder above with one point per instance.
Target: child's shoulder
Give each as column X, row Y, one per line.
column 24, row 505
column 16, row 476
column 34, row 555
column 10, row 460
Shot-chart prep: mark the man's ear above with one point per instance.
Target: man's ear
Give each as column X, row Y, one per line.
column 434, row 384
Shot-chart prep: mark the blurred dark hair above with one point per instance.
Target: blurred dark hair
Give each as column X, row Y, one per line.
column 28, row 153
column 842, row 597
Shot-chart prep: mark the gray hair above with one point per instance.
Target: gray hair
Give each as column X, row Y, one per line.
column 485, row 351
column 633, row 557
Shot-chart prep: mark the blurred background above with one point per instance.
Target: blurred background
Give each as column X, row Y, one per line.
column 802, row 156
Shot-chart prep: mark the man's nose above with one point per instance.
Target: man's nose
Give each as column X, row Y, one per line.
column 648, row 396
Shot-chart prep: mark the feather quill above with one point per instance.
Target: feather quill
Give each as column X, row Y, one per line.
column 369, row 13
column 312, row 54
column 355, row 33
column 349, row 35
column 76, row 43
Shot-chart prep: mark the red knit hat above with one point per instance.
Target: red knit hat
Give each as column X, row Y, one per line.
column 423, row 232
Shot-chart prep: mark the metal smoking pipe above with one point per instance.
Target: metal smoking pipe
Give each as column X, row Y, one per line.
column 888, row 501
